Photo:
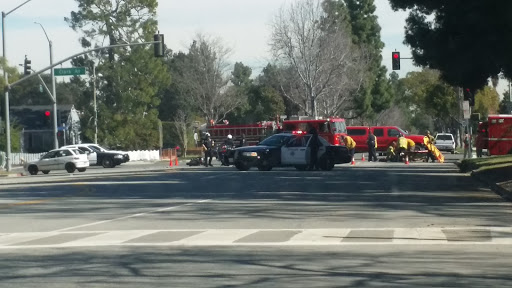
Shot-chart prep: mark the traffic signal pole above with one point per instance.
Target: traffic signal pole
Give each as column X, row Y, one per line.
column 6, row 76
column 9, row 86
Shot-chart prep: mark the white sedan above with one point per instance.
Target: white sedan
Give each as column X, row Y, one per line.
column 59, row 159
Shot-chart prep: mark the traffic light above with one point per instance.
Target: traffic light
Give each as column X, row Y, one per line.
column 395, row 60
column 160, row 46
column 469, row 95
column 27, row 67
column 47, row 119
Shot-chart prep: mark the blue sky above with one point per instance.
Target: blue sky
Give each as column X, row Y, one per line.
column 242, row 24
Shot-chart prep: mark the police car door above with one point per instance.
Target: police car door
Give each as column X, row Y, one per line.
column 322, row 143
column 295, row 152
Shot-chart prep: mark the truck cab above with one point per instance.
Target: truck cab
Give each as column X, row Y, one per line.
column 385, row 136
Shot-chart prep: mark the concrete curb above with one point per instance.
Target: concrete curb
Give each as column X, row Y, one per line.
column 506, row 194
column 11, row 175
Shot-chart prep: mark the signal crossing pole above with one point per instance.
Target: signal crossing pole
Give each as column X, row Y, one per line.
column 159, row 49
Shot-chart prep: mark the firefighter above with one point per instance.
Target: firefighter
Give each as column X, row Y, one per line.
column 431, row 141
column 410, row 149
column 402, row 148
column 372, row 146
column 351, row 146
column 390, row 154
column 207, row 148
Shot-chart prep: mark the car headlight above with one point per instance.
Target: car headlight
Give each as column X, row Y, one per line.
column 250, row 154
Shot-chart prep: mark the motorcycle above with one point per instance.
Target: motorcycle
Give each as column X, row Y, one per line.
column 226, row 155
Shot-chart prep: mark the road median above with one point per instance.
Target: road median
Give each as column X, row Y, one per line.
column 495, row 171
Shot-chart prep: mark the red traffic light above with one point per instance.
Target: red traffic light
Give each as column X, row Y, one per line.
column 47, row 113
column 395, row 55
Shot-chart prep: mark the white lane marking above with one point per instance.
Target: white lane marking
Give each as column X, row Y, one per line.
column 131, row 216
column 110, row 238
column 419, row 236
column 216, row 237
column 23, row 237
column 228, row 237
column 319, row 236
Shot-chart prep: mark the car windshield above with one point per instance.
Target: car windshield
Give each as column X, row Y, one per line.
column 444, row 137
column 277, row 140
column 98, row 147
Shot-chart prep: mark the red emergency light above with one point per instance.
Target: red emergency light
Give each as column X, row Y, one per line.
column 47, row 113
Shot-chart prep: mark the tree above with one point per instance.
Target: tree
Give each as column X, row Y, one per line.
column 321, row 65
column 132, row 77
column 431, row 103
column 487, row 101
column 207, row 74
column 443, row 36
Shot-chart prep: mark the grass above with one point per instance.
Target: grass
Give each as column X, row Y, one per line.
column 485, row 163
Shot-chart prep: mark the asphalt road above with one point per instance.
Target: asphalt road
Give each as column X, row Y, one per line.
column 372, row 224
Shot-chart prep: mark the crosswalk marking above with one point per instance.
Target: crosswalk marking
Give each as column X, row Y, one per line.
column 261, row 237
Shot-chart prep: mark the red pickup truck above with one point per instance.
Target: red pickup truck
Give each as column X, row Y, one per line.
column 385, row 136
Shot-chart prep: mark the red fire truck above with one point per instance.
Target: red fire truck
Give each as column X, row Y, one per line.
column 495, row 135
column 253, row 133
column 329, row 128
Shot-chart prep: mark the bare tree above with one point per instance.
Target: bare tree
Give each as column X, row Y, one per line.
column 209, row 76
column 183, row 123
column 324, row 65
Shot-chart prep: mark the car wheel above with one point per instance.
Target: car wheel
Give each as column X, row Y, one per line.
column 326, row 164
column 70, row 167
column 301, row 167
column 32, row 169
column 45, row 171
column 242, row 166
column 81, row 169
column 107, row 163
column 453, row 151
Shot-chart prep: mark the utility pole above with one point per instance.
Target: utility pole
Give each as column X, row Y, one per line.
column 6, row 77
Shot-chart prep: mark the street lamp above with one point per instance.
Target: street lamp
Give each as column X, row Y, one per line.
column 6, row 77
column 55, row 139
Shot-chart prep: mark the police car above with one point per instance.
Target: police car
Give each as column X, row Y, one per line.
column 288, row 149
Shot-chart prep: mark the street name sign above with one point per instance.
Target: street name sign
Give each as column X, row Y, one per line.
column 69, row 71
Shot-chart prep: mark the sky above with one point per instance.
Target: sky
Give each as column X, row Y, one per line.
column 243, row 25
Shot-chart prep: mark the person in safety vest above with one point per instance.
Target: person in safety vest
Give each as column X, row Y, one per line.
column 372, row 146
column 431, row 141
column 402, row 148
column 410, row 148
column 390, row 154
column 350, row 144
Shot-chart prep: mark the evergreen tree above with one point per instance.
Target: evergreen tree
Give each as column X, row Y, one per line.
column 132, row 78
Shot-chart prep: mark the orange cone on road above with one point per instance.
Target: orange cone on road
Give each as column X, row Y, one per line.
column 353, row 162
column 176, row 161
column 362, row 158
column 170, row 162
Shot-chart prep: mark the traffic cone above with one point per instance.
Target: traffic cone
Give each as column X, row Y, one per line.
column 362, row 159
column 353, row 162
column 170, row 162
column 406, row 161
column 176, row 161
